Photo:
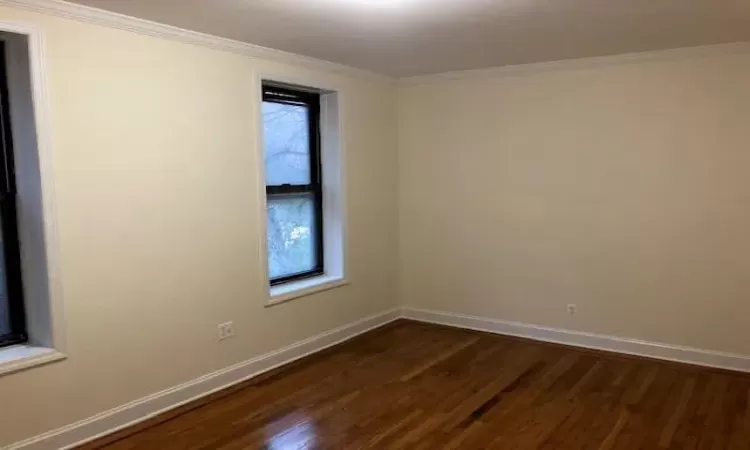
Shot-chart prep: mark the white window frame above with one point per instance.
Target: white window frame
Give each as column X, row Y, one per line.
column 334, row 193
column 37, row 217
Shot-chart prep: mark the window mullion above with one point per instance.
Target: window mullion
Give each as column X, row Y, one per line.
column 290, row 189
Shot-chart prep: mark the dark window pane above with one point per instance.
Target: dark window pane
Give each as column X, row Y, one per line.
column 291, row 235
column 4, row 312
column 11, row 304
column 286, row 140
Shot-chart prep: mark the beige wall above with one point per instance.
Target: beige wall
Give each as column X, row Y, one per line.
column 621, row 188
column 624, row 189
column 157, row 198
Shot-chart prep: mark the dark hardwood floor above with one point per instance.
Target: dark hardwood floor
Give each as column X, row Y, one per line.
column 419, row 386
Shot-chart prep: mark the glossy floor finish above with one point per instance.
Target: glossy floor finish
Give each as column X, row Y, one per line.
column 419, row 386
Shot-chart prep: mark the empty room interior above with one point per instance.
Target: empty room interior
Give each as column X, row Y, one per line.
column 374, row 224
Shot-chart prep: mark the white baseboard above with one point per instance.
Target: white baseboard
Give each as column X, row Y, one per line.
column 145, row 408
column 615, row 344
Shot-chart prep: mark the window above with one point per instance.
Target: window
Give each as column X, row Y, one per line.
column 294, row 194
column 31, row 306
column 305, row 215
column 12, row 317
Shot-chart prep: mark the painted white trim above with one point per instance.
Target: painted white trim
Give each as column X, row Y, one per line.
column 675, row 54
column 110, row 19
column 21, row 357
column 260, row 172
column 701, row 357
column 55, row 336
column 302, row 288
column 145, row 408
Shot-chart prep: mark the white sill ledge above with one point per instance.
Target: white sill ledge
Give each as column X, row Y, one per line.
column 296, row 289
column 21, row 357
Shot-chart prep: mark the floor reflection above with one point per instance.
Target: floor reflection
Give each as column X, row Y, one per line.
column 300, row 434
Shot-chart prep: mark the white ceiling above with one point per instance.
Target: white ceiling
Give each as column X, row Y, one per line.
column 414, row 37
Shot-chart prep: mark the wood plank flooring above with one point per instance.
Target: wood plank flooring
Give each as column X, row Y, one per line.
column 419, row 386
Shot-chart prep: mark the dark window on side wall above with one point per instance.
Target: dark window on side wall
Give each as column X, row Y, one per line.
column 12, row 318
column 291, row 134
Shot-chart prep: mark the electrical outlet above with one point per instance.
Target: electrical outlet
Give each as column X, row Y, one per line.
column 572, row 309
column 226, row 330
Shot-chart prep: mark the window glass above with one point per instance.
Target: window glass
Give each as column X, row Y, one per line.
column 291, row 235
column 286, row 138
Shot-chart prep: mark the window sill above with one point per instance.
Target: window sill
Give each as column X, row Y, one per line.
column 21, row 357
column 296, row 289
